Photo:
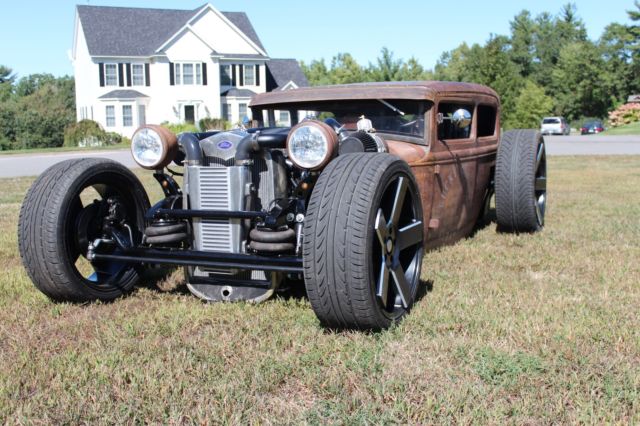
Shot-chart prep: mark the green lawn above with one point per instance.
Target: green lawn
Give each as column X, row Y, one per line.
column 521, row 329
column 63, row 149
column 629, row 129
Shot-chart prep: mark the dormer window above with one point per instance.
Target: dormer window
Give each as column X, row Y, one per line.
column 249, row 75
column 187, row 74
column 226, row 73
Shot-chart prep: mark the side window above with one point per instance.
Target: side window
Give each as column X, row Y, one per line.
column 486, row 120
column 447, row 129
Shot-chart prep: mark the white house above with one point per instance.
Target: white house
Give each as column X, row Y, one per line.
column 134, row 66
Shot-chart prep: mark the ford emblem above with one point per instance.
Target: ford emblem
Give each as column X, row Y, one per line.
column 224, row 145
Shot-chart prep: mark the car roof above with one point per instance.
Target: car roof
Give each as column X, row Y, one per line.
column 411, row 90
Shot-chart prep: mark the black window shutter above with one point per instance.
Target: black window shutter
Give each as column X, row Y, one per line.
column 241, row 76
column 147, row 75
column 257, row 75
column 101, row 73
column 204, row 74
column 233, row 75
column 172, row 76
column 121, row 74
column 129, row 75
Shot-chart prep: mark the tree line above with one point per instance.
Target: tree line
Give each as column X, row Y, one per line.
column 547, row 65
column 34, row 110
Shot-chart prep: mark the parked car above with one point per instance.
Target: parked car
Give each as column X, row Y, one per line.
column 555, row 126
column 592, row 127
column 345, row 205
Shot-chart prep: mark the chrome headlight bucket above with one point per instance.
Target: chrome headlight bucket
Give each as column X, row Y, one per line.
column 311, row 144
column 153, row 147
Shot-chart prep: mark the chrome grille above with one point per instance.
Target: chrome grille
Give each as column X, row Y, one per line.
column 215, row 235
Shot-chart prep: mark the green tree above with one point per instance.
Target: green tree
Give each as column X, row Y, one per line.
column 620, row 75
column 41, row 117
column 529, row 107
column 576, row 82
column 345, row 69
column 7, row 77
column 29, row 84
column 522, row 37
column 387, row 68
column 316, row 72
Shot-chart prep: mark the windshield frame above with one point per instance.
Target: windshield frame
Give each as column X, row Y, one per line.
column 265, row 115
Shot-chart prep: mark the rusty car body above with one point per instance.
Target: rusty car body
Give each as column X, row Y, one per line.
column 340, row 189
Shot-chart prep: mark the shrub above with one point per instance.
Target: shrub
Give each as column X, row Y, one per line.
column 624, row 114
column 89, row 133
column 180, row 127
column 209, row 123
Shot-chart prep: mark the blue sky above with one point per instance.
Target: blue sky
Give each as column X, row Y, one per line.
column 36, row 34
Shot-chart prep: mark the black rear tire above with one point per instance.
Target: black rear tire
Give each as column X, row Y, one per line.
column 521, row 181
column 51, row 215
column 361, row 270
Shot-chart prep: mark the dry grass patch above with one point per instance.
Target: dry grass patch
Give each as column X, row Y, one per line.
column 522, row 329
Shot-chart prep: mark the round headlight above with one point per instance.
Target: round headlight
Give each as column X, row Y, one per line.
column 153, row 147
column 311, row 144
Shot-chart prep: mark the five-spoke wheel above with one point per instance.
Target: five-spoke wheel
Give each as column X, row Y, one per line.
column 363, row 238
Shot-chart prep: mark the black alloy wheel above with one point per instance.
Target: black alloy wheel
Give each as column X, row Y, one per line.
column 362, row 247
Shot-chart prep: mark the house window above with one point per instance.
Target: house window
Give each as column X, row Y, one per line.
column 110, row 74
column 249, row 75
column 225, row 75
column 226, row 112
column 111, row 116
column 188, row 74
column 284, row 118
column 137, row 74
column 127, row 116
column 242, row 110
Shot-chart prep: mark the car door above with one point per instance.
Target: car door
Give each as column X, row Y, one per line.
column 454, row 205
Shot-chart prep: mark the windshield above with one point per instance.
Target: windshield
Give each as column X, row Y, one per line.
column 394, row 116
column 551, row 121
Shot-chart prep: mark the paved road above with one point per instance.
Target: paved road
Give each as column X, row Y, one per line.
column 593, row 145
column 34, row 164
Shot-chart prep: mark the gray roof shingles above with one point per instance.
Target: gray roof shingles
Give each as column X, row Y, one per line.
column 282, row 71
column 238, row 93
column 123, row 94
column 127, row 31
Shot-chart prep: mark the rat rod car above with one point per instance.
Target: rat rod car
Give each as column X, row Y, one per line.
column 344, row 200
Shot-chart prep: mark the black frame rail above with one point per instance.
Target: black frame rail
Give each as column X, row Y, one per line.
column 205, row 259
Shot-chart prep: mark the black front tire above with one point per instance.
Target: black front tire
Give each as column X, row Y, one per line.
column 49, row 222
column 521, row 181
column 362, row 249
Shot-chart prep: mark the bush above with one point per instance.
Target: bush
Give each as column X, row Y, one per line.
column 89, row 133
column 625, row 114
column 178, row 128
column 209, row 123
column 40, row 118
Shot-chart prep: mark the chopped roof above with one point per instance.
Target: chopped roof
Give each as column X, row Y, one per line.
column 238, row 93
column 129, row 31
column 418, row 90
column 123, row 94
column 282, row 71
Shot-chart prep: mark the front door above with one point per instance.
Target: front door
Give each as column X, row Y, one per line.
column 189, row 114
column 455, row 175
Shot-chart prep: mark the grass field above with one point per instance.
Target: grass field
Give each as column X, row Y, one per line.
column 629, row 129
column 528, row 329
